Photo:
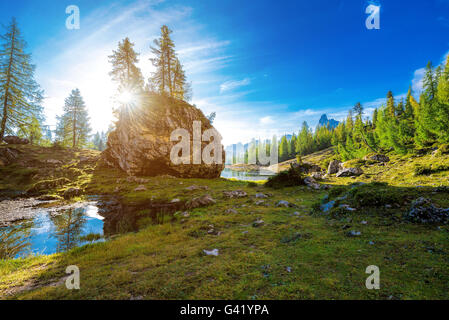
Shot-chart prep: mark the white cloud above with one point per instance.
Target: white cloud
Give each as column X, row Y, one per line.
column 266, row 120
column 234, row 84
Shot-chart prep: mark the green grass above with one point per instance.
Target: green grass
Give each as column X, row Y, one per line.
column 166, row 261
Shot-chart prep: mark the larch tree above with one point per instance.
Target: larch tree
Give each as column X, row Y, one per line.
column 20, row 95
column 443, row 103
column 73, row 126
column 169, row 77
column 124, row 68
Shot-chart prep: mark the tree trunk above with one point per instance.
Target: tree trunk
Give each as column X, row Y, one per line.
column 8, row 82
column 74, row 128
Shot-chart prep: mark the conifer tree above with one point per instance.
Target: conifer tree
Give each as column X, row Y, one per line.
column 124, row 68
column 20, row 95
column 169, row 77
column 73, row 126
column 443, row 104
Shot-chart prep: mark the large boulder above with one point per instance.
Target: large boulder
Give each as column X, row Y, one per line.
column 334, row 167
column 15, row 140
column 349, row 172
column 141, row 143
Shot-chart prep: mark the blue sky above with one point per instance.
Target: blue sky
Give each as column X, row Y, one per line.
column 263, row 66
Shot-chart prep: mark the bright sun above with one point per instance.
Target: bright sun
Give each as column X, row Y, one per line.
column 126, row 97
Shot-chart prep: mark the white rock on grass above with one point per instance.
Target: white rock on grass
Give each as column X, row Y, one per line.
column 213, row 252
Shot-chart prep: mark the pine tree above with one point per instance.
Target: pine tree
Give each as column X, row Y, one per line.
column 426, row 113
column 169, row 77
column 443, row 104
column 124, row 68
column 283, row 149
column 20, row 95
column 73, row 126
column 31, row 131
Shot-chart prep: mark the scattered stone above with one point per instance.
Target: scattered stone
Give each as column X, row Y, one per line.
column 202, row 201
column 288, row 269
column 245, row 232
column 53, row 161
column 349, row 172
column 371, row 243
column 185, row 214
column 72, row 192
column 15, row 140
column 235, row 194
column 311, row 183
column 259, row 203
column 261, row 196
column 354, row 233
column 297, row 214
column 424, row 211
column 326, row 207
column 140, row 188
column 317, row 175
column 285, row 204
column 233, row 211
column 258, row 223
column 377, row 158
column 364, row 222
column 175, row 201
column 347, row 207
column 211, row 253
column 334, row 167
column 194, row 187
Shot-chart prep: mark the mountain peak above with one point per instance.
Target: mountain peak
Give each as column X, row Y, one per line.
column 325, row 121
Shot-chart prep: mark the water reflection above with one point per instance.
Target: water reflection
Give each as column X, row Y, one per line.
column 52, row 232
column 246, row 176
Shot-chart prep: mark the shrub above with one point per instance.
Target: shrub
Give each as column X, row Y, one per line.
column 291, row 177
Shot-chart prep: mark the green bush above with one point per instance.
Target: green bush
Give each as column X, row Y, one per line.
column 290, row 178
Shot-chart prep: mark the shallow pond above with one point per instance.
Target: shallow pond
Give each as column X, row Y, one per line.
column 52, row 231
column 36, row 227
column 246, row 176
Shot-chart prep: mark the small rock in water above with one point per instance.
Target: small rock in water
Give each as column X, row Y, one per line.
column 211, row 253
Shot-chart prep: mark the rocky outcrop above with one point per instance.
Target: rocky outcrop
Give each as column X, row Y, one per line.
column 141, row 143
column 424, row 211
column 334, row 167
column 15, row 140
column 349, row 172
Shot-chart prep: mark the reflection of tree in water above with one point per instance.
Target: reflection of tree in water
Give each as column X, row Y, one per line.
column 14, row 240
column 69, row 226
